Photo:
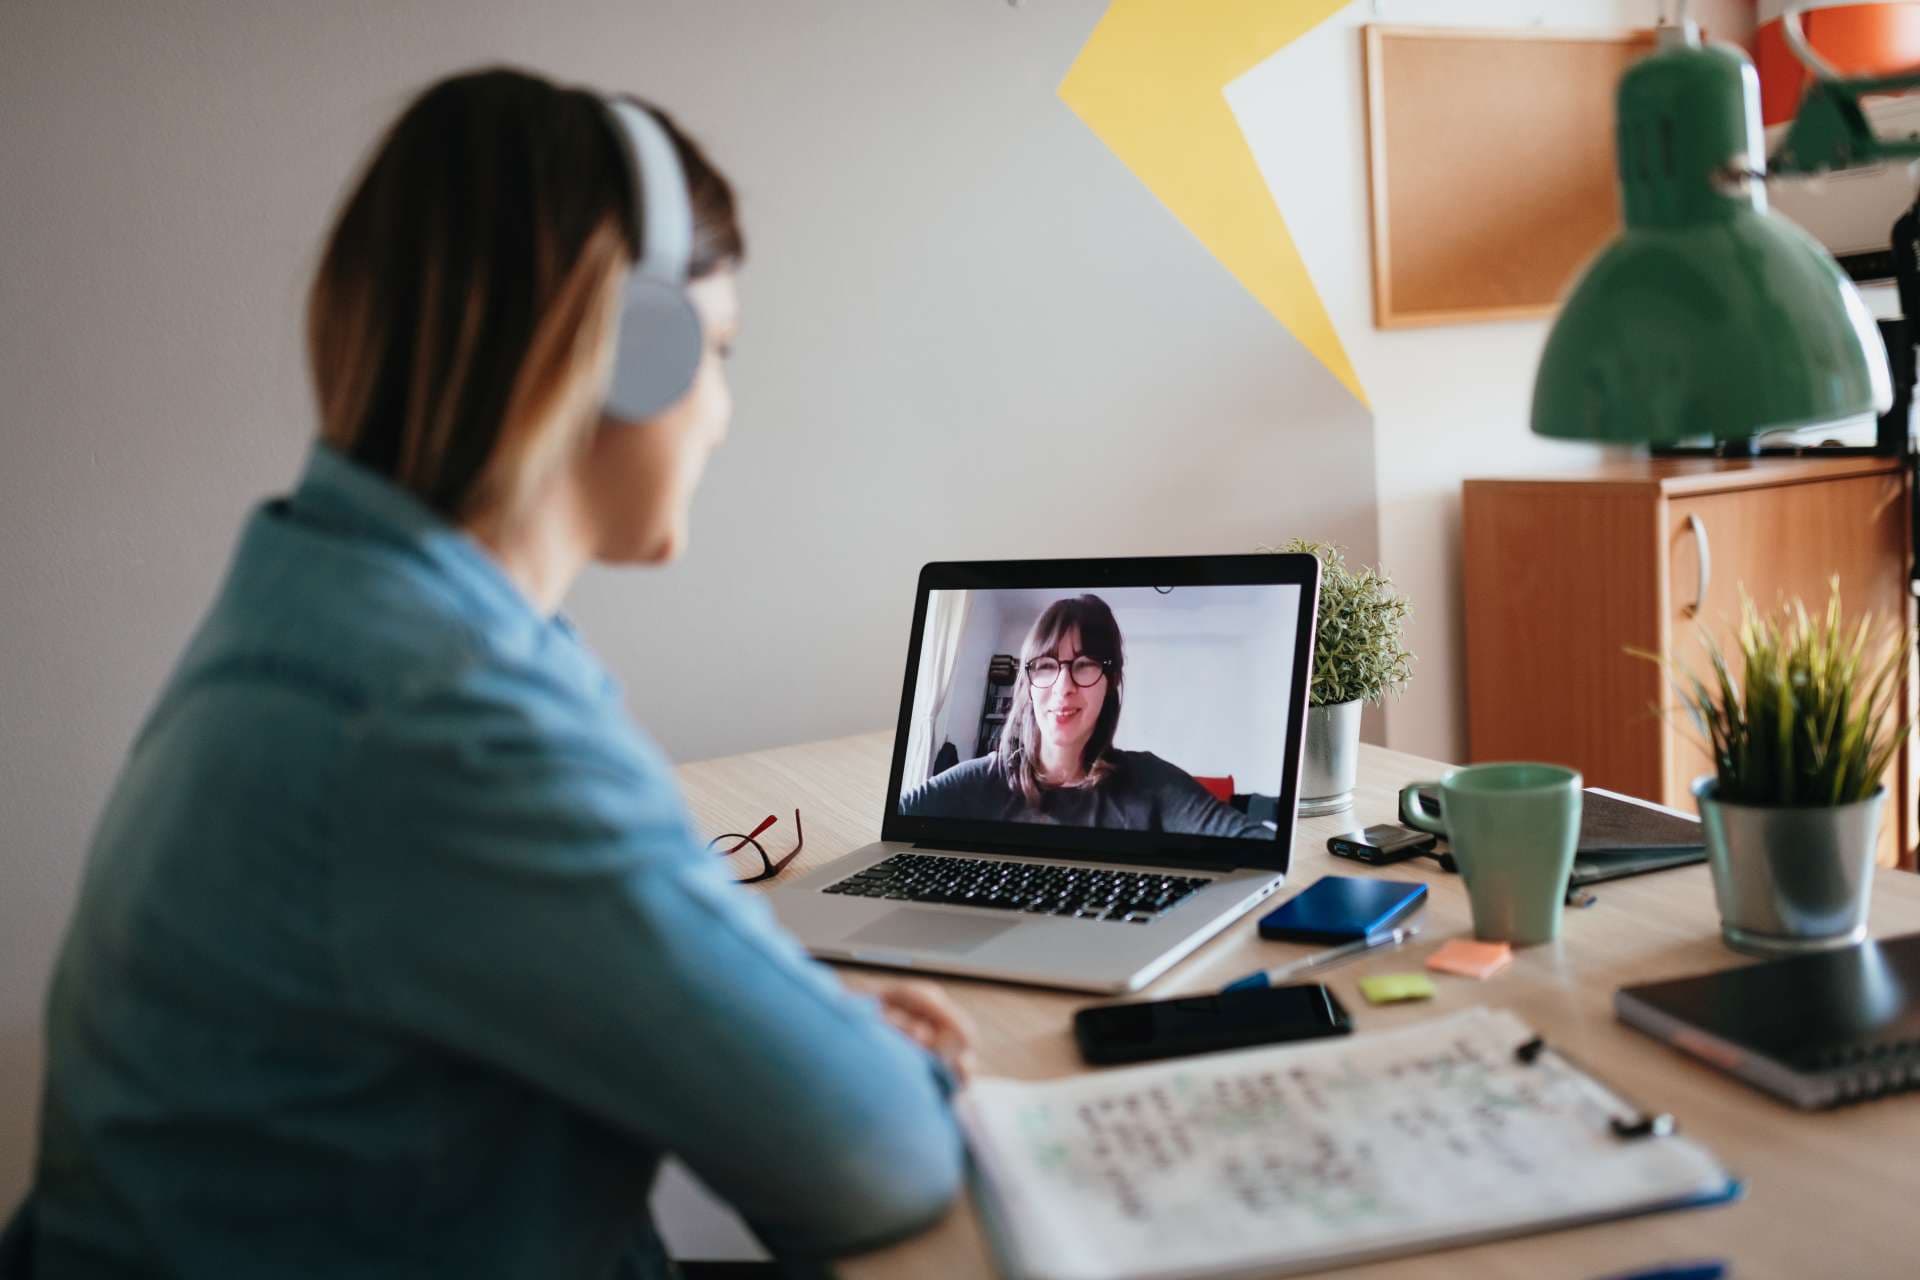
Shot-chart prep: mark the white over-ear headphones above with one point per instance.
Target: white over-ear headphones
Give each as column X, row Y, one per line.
column 657, row 350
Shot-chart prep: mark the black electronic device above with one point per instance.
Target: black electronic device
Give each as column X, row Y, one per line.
column 1136, row 1032
column 1381, row 844
column 1814, row 1030
column 1619, row 837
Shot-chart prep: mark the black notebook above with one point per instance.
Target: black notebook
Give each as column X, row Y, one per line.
column 1817, row 1030
column 1621, row 836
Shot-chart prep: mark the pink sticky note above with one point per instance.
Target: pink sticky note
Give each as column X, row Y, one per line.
column 1471, row 959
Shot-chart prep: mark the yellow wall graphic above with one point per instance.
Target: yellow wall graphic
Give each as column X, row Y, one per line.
column 1151, row 84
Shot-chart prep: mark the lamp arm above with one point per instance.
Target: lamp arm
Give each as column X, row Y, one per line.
column 1830, row 131
column 1796, row 35
column 1797, row 41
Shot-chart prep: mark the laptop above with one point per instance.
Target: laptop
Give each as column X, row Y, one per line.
column 1096, row 770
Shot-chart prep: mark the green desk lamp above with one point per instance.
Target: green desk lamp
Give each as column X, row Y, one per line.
column 1709, row 316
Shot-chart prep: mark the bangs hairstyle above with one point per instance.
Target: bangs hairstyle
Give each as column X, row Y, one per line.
column 459, row 326
column 1020, row 738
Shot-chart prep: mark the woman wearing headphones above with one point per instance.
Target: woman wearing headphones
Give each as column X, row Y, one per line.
column 397, row 954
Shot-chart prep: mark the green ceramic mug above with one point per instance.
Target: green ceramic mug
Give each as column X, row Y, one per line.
column 1512, row 828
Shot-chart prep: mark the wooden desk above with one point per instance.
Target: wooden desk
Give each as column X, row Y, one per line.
column 1829, row 1194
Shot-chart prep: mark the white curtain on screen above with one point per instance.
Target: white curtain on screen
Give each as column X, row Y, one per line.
column 946, row 621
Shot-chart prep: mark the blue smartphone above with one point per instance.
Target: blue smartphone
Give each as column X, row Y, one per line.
column 1342, row 909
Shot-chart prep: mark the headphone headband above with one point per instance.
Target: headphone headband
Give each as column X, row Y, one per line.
column 662, row 209
column 659, row 343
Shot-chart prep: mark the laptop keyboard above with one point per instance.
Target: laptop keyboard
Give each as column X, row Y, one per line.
column 1035, row 887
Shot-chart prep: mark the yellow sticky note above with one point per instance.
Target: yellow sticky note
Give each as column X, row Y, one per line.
column 1391, row 988
column 1471, row 959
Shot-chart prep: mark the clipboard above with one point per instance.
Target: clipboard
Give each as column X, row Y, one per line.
column 1072, row 1186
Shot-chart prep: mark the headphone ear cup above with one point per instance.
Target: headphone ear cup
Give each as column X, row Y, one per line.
column 656, row 353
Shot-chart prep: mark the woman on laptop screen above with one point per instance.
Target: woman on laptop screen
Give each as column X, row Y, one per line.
column 1056, row 762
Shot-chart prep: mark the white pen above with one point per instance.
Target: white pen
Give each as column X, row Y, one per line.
column 1320, row 960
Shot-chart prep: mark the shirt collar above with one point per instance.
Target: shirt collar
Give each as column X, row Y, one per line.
column 334, row 490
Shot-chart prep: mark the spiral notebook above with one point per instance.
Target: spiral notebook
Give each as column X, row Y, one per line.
column 1291, row 1158
column 1816, row 1031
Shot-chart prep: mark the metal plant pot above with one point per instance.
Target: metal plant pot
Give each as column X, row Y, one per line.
column 1330, row 758
column 1790, row 879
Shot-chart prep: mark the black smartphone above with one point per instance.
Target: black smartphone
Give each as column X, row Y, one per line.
column 1109, row 1033
column 1381, row 845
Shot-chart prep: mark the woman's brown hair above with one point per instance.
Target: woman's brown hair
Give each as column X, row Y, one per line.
column 458, row 326
column 1099, row 638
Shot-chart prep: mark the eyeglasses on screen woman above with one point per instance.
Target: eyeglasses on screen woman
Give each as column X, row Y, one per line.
column 1085, row 671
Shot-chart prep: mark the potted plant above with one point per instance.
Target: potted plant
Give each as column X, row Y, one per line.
column 1799, row 744
column 1359, row 656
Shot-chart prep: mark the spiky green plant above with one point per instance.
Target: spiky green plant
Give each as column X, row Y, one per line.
column 1358, row 650
column 1812, row 720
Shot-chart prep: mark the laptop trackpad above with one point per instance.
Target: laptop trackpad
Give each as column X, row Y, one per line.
column 912, row 929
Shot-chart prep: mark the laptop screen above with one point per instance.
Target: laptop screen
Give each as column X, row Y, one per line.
column 1114, row 715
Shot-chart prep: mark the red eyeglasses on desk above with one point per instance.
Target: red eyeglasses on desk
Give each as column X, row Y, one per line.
column 768, row 867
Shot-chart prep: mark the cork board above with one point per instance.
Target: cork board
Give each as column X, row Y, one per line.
column 1492, row 163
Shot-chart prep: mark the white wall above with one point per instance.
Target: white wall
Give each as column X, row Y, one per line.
column 1208, row 674
column 1448, row 403
column 970, row 332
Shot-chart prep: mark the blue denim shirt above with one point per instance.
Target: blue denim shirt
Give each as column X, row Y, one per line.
column 396, row 955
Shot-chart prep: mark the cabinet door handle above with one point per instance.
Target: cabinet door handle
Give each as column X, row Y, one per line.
column 1699, row 531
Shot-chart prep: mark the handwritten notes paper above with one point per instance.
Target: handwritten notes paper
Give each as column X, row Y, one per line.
column 1298, row 1156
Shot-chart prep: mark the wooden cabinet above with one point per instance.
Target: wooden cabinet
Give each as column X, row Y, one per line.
column 1564, row 575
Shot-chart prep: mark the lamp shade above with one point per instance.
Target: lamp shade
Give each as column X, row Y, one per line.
column 1707, row 316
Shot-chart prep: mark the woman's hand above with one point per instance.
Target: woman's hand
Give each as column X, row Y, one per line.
column 923, row 1013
